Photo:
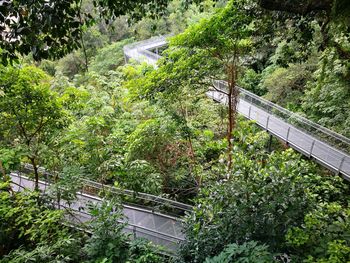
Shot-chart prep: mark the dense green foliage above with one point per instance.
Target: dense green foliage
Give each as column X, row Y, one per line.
column 305, row 68
column 108, row 243
column 31, row 113
column 51, row 29
column 264, row 200
column 89, row 116
column 33, row 232
column 247, row 252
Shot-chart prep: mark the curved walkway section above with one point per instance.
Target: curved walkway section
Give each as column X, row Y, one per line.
column 161, row 229
column 145, row 51
column 328, row 148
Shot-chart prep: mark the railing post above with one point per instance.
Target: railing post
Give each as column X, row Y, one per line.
column 20, row 182
column 267, row 122
column 341, row 164
column 287, row 138
column 134, row 231
column 312, row 147
column 250, row 109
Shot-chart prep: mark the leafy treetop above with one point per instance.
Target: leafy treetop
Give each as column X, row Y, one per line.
column 53, row 28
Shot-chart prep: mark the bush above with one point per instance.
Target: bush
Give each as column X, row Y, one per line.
column 109, row 243
column 286, row 86
column 249, row 252
column 71, row 64
column 31, row 232
column 251, row 81
column 140, row 176
column 324, row 235
column 109, row 57
column 149, row 139
column 63, row 250
column 259, row 202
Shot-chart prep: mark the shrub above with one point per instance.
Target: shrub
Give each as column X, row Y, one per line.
column 248, row 252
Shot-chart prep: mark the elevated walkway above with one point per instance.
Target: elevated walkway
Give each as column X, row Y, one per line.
column 160, row 228
column 143, row 51
column 326, row 147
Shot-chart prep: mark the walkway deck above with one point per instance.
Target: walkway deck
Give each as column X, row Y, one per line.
column 159, row 228
column 328, row 148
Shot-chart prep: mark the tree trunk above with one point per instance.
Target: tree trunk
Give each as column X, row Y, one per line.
column 86, row 62
column 193, row 161
column 36, row 173
column 58, row 196
column 2, row 171
column 232, row 109
column 230, row 129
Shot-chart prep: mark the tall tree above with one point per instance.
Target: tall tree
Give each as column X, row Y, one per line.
column 210, row 50
column 30, row 113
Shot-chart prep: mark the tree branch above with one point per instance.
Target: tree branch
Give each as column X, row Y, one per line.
column 219, row 90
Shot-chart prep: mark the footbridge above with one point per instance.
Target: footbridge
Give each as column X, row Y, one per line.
column 324, row 146
column 147, row 216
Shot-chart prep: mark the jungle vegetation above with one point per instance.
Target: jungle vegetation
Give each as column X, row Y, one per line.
column 70, row 103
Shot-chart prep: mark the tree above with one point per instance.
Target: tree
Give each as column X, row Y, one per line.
column 109, row 57
column 333, row 16
column 30, row 113
column 333, row 8
column 53, row 28
column 210, row 50
column 327, row 96
column 269, row 197
column 297, row 6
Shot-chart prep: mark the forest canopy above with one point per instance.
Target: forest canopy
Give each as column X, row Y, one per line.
column 52, row 29
column 110, row 149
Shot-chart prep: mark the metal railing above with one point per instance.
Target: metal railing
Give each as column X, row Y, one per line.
column 130, row 225
column 156, row 203
column 169, row 243
column 80, row 209
column 157, row 41
column 150, row 55
column 301, row 134
column 141, row 50
column 336, row 140
column 148, row 201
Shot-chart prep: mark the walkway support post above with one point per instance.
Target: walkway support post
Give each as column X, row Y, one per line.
column 269, row 148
